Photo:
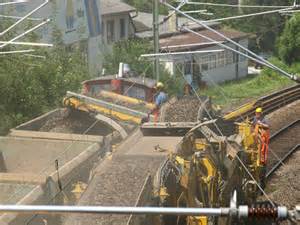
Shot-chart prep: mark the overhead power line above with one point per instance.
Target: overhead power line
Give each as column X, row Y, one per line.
column 270, row 65
column 235, row 6
column 17, row 51
column 18, row 17
column 249, row 15
column 181, row 53
column 26, row 32
column 24, row 17
column 27, row 44
column 13, row 3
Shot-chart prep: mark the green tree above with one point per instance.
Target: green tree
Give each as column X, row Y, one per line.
column 129, row 51
column 289, row 41
column 31, row 86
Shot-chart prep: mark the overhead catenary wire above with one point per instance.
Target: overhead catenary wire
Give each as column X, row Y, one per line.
column 24, row 17
column 247, row 15
column 13, row 2
column 292, row 77
column 234, row 5
column 25, row 33
column 227, row 47
column 181, row 53
column 19, row 17
column 27, row 44
column 16, row 51
column 188, row 45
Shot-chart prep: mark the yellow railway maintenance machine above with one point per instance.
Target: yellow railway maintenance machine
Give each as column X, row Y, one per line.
column 206, row 169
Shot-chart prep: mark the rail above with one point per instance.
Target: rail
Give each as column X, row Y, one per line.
column 269, row 103
column 288, row 153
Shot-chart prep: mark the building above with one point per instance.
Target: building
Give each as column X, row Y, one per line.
column 210, row 67
column 91, row 25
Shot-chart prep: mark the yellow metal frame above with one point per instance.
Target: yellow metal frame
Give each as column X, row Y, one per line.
column 77, row 104
column 127, row 99
column 245, row 108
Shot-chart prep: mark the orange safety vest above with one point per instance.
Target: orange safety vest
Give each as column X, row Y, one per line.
column 263, row 135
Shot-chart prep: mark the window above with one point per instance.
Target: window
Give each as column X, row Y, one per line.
column 221, row 59
column 122, row 28
column 212, row 61
column 110, row 28
column 208, row 62
column 243, row 58
column 229, row 57
column 204, row 63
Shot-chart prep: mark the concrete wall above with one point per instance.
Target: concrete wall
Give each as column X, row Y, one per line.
column 129, row 29
column 77, row 169
column 23, row 155
column 38, row 122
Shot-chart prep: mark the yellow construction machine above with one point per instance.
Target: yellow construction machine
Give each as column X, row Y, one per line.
column 130, row 102
column 207, row 168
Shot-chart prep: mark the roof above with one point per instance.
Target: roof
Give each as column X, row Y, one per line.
column 166, row 28
column 138, row 80
column 114, row 6
column 195, row 41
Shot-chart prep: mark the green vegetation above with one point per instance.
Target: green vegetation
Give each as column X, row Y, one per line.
column 129, row 51
column 235, row 93
column 289, row 41
column 31, row 86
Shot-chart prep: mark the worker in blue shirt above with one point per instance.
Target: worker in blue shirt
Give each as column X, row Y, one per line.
column 159, row 99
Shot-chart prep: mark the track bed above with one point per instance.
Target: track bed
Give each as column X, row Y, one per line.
column 119, row 179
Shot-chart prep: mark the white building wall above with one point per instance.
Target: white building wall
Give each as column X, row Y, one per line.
column 218, row 73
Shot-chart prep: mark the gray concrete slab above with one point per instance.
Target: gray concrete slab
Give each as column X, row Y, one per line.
column 23, row 155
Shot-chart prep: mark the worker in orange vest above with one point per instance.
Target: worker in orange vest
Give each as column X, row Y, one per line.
column 262, row 133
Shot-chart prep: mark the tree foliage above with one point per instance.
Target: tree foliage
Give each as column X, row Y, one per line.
column 31, row 86
column 129, row 51
column 289, row 41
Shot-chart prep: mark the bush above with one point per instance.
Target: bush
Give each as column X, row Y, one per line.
column 289, row 41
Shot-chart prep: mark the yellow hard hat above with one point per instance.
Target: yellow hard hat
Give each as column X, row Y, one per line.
column 259, row 110
column 159, row 85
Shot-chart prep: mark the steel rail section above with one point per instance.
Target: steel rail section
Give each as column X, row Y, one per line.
column 283, row 159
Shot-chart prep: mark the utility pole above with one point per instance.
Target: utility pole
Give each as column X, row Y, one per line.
column 156, row 37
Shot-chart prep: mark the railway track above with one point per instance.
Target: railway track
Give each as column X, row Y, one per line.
column 269, row 103
column 283, row 144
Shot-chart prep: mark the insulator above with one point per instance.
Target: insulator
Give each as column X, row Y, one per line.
column 263, row 210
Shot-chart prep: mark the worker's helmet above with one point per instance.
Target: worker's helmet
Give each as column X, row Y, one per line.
column 258, row 110
column 159, row 85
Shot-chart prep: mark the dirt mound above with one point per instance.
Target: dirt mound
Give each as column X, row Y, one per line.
column 75, row 122
column 187, row 109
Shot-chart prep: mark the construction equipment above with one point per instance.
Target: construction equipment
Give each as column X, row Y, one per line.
column 130, row 102
column 207, row 168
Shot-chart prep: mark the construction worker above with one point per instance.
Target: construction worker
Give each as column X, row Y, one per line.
column 262, row 134
column 159, row 98
column 259, row 119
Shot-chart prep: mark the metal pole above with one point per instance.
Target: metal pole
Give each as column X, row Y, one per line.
column 44, row 209
column 201, row 23
column 156, row 37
